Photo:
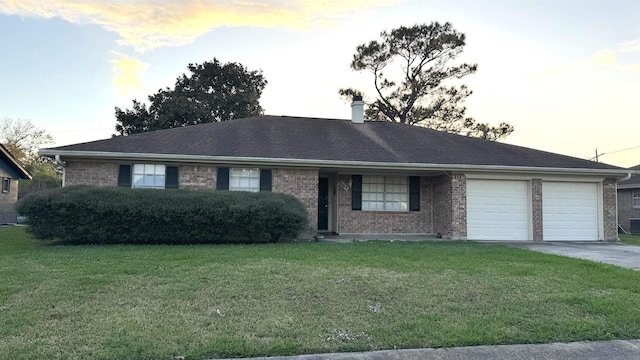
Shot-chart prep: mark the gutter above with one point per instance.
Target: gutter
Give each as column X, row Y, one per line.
column 626, row 177
column 343, row 164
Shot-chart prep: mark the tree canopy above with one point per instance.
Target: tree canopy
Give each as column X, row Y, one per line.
column 412, row 68
column 210, row 92
column 23, row 139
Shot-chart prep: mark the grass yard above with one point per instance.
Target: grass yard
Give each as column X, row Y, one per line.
column 159, row 302
column 630, row 239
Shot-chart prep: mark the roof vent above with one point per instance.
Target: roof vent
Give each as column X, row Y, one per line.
column 357, row 110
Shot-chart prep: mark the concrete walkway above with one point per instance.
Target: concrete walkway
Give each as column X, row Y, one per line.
column 610, row 350
column 627, row 256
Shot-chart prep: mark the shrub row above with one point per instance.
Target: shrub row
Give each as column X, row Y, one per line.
column 84, row 214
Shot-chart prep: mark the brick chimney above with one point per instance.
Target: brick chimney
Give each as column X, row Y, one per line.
column 357, row 110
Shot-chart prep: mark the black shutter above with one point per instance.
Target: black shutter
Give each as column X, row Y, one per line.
column 171, row 179
column 356, row 192
column 222, row 182
column 124, row 176
column 265, row 179
column 414, row 193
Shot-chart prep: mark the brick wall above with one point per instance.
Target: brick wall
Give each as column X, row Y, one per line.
column 625, row 208
column 458, row 206
column 442, row 206
column 450, row 206
column 536, row 209
column 381, row 222
column 91, row 173
column 610, row 213
column 8, row 202
column 197, row 177
column 303, row 184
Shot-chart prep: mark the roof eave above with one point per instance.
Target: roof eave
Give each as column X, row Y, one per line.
column 325, row 163
column 628, row 186
column 21, row 170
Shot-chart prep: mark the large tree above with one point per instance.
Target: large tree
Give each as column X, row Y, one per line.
column 413, row 73
column 23, row 139
column 210, row 92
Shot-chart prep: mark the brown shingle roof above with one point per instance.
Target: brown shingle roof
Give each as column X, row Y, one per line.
column 329, row 139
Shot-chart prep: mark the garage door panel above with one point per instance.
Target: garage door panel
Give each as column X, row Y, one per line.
column 570, row 211
column 497, row 210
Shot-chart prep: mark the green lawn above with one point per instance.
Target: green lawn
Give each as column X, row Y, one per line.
column 630, row 239
column 159, row 302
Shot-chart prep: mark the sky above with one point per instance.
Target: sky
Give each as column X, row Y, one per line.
column 565, row 73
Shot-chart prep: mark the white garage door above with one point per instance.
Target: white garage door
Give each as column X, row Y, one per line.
column 569, row 211
column 497, row 210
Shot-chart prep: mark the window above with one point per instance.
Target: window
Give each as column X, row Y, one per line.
column 635, row 200
column 244, row 179
column 6, row 184
column 385, row 193
column 148, row 176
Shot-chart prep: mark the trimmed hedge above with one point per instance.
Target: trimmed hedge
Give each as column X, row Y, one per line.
column 112, row 215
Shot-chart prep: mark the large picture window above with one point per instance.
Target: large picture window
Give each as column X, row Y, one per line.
column 148, row 176
column 385, row 193
column 244, row 179
column 635, row 200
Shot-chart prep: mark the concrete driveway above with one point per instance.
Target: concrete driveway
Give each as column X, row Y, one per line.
column 627, row 256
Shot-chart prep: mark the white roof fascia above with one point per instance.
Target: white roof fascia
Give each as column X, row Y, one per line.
column 324, row 163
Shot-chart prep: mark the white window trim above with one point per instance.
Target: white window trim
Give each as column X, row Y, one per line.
column 635, row 199
column 244, row 179
column 6, row 180
column 157, row 171
column 386, row 194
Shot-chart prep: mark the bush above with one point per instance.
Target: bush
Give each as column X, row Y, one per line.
column 84, row 214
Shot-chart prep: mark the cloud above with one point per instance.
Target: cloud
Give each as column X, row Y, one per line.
column 149, row 24
column 606, row 58
column 128, row 73
column 630, row 46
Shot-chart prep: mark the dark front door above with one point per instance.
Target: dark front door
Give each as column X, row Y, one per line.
column 323, row 204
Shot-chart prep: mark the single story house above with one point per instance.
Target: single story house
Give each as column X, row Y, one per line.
column 357, row 177
column 629, row 203
column 10, row 172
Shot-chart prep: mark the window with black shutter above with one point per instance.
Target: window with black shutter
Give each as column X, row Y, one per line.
column 171, row 180
column 414, row 193
column 124, row 175
column 356, row 192
column 265, row 179
column 222, row 182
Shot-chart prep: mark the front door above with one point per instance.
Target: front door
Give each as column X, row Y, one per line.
column 323, row 204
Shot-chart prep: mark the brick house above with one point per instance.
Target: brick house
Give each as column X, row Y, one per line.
column 629, row 203
column 357, row 177
column 10, row 172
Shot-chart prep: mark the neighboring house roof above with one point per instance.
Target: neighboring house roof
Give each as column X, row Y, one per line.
column 633, row 182
column 13, row 163
column 329, row 143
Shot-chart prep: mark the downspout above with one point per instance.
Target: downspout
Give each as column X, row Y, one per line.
column 64, row 170
column 625, row 178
